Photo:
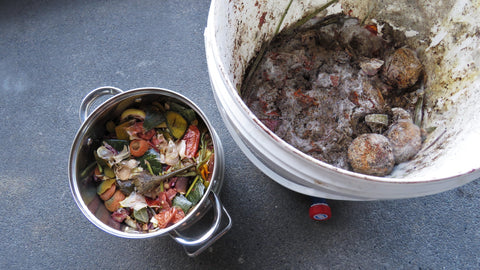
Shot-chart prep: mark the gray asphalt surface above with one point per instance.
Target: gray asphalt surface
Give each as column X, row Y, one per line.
column 52, row 53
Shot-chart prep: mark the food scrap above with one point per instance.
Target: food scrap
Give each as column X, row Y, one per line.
column 323, row 85
column 153, row 165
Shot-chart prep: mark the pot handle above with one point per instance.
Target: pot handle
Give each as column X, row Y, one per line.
column 194, row 246
column 94, row 95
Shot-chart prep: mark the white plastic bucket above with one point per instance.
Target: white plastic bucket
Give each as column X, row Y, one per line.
column 446, row 35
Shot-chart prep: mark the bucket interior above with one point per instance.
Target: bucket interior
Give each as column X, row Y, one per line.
column 445, row 34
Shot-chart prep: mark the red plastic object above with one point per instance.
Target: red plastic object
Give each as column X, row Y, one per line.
column 320, row 211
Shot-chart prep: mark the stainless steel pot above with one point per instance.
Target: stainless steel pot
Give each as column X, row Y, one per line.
column 84, row 193
column 443, row 32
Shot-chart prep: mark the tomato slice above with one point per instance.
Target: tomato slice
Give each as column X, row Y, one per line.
column 170, row 193
column 179, row 215
column 169, row 216
column 152, row 202
column 164, row 217
column 192, row 140
column 160, row 201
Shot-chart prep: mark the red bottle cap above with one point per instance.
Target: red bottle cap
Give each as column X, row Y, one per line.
column 320, row 211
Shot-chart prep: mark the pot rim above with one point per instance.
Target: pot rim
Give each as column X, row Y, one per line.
column 106, row 106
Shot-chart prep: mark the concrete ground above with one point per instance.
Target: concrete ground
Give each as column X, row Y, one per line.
column 52, row 53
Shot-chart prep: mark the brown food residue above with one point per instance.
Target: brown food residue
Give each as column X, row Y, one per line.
column 314, row 85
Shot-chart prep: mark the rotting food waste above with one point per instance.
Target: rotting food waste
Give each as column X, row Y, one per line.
column 346, row 93
column 153, row 165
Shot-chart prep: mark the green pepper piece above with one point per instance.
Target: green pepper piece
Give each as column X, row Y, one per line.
column 196, row 193
column 182, row 202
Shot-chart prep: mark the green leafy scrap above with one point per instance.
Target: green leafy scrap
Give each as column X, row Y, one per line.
column 117, row 144
column 186, row 113
column 182, row 202
column 141, row 215
column 196, row 193
column 153, row 118
column 150, row 161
